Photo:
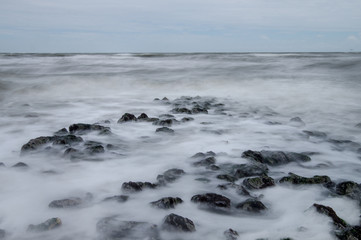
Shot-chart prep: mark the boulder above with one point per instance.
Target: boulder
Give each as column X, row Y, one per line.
column 170, row 176
column 143, row 117
column 49, row 224
column 212, row 200
column 205, row 162
column 83, row 128
column 61, row 132
column 350, row 189
column 166, row 122
column 67, row 140
column 231, row 234
column 114, row 228
column 127, row 117
column 164, row 130
column 176, row 223
column 167, row 202
column 197, row 110
column 137, row 186
column 251, row 205
column 295, row 179
column 275, row 158
column 181, row 110
column 36, row 143
column 258, row 182
column 66, row 203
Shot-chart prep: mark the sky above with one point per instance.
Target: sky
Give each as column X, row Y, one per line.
column 180, row 26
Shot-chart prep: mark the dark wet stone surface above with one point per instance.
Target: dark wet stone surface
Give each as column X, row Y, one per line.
column 66, row 203
column 83, row 128
column 181, row 110
column 295, row 179
column 137, row 186
column 204, row 155
column 251, row 205
column 328, row 211
column 143, row 116
column 117, row 198
column 205, row 162
column 127, row 117
column 275, row 158
column 167, row 202
column 170, row 176
column 342, row 145
column 115, row 228
column 61, row 132
column 36, row 143
column 165, row 130
column 49, row 224
column 176, row 223
column 212, row 200
column 231, row 234
column 20, row 165
column 67, row 140
column 233, row 172
column 298, row 121
column 166, row 122
column 187, row 119
column 316, row 134
column 258, row 182
column 350, row 189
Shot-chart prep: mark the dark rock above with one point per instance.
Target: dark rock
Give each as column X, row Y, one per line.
column 316, row 134
column 341, row 145
column 275, row 158
column 61, row 132
column 170, row 176
column 203, row 180
column 227, row 177
column 213, row 167
column 259, row 182
column 231, row 234
column 166, row 122
column 165, row 99
column 349, row 189
column 181, row 110
column 297, row 121
column 328, row 211
column 156, row 99
column 36, row 143
column 113, row 228
column 20, row 165
column 350, row 233
column 164, row 130
column 127, row 117
column 97, row 149
column 66, row 203
column 167, row 202
column 212, row 200
column 73, row 153
column 143, row 116
column 137, row 186
column 205, row 162
column 117, row 198
column 67, row 140
column 83, row 128
column 187, row 119
column 165, row 116
column 204, row 155
column 197, row 110
column 252, row 205
column 176, row 223
column 238, row 171
column 295, row 179
column 49, row 224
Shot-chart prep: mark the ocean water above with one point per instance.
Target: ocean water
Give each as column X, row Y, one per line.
column 255, row 95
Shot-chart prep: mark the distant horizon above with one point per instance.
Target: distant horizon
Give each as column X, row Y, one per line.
column 65, row 53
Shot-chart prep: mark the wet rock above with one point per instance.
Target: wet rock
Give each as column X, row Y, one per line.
column 212, row 200
column 73, row 153
column 187, row 119
column 143, row 117
column 166, row 122
column 181, row 110
column 176, row 223
column 21, row 165
column 49, row 224
column 234, row 172
column 227, row 177
column 127, row 117
column 328, row 211
column 275, row 158
column 67, row 140
column 165, row 99
column 231, row 234
column 167, row 202
column 36, row 144
column 61, row 132
column 205, row 162
column 204, row 155
column 350, row 233
column 66, row 203
column 203, row 180
column 197, row 110
column 113, row 228
column 258, row 182
column 137, row 186
column 349, row 189
column 252, row 205
column 297, row 121
column 165, row 130
column 170, row 176
column 156, row 99
column 295, row 179
column 96, row 149
column 316, row 134
column 342, row 145
column 165, row 116
column 117, row 198
column 83, row 128
column 213, row 167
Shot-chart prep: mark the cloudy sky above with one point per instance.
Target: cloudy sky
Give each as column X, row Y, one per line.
column 179, row 25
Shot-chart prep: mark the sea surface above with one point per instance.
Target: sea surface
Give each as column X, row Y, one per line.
column 252, row 99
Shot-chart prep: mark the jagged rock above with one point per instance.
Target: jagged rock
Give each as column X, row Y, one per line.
column 275, row 158
column 170, row 176
column 328, row 211
column 66, row 203
column 127, row 117
column 67, row 140
column 259, row 182
column 83, row 128
column 349, row 189
column 181, row 110
column 117, row 198
column 231, row 234
column 316, row 134
column 20, row 165
column 113, row 228
column 61, row 132
column 137, row 186
column 49, row 224
column 143, row 116
column 164, row 130
column 36, row 143
column 176, row 223
column 167, row 202
column 350, row 233
column 205, row 162
column 212, row 200
column 227, row 177
column 252, row 205
column 295, row 179
column 233, row 172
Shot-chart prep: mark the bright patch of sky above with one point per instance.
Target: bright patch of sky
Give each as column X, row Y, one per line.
column 180, row 25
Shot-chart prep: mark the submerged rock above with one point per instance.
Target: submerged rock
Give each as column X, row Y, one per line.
column 67, row 140
column 297, row 122
column 252, row 205
column 342, row 145
column 36, row 143
column 295, row 179
column 204, row 155
column 349, row 189
column 181, row 110
column 127, row 117
column 170, row 176
column 143, row 116
column 113, row 228
column 164, row 130
column 167, row 202
column 21, row 165
column 205, row 162
column 275, row 158
column 259, row 182
column 176, row 223
column 61, row 132
column 231, row 234
column 187, row 119
column 83, row 128
column 316, row 134
column 233, row 172
column 212, row 200
column 49, row 224
column 137, row 186
column 117, row 198
column 328, row 211
column 197, row 110
column 165, row 122
column 66, row 203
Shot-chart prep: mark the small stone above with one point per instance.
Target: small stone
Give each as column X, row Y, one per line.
column 137, row 186
column 176, row 223
column 197, row 110
column 49, row 224
column 167, row 203
column 143, row 116
column 181, row 110
column 20, row 165
column 297, row 121
column 127, row 117
column 170, row 176
column 187, row 119
column 328, row 211
column 83, row 128
column 231, row 234
column 212, row 200
column 259, row 182
column 66, row 203
column 164, row 130
column 165, row 99
column 252, row 205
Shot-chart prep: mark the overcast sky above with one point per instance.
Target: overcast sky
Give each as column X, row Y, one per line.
column 179, row 25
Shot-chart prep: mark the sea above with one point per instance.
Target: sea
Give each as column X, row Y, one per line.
column 291, row 102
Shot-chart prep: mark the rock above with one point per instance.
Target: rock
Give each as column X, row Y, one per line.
column 275, row 158
column 127, row 117
column 95, row 149
column 113, row 228
column 165, row 116
column 166, row 122
column 143, row 116
column 67, row 140
column 252, row 205
column 342, row 145
column 231, row 234
column 204, row 155
column 227, row 177
column 295, row 179
column 328, row 211
column 259, row 182
column 36, row 143
column 73, row 153
column 349, row 189
column 164, row 130
column 197, row 110
column 212, row 200
column 170, row 176
column 49, row 224
column 156, row 99
column 176, row 223
column 61, row 132
column 316, row 134
column 20, row 165
column 350, row 233
column 165, row 99
column 213, row 167
column 297, row 122
column 83, row 128
column 167, row 202
column 117, row 198
column 137, row 186
column 233, row 172
column 187, row 119
column 66, row 203
column 181, row 110
column 205, row 162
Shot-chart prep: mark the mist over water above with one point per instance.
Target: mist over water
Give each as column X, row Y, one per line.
column 42, row 93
